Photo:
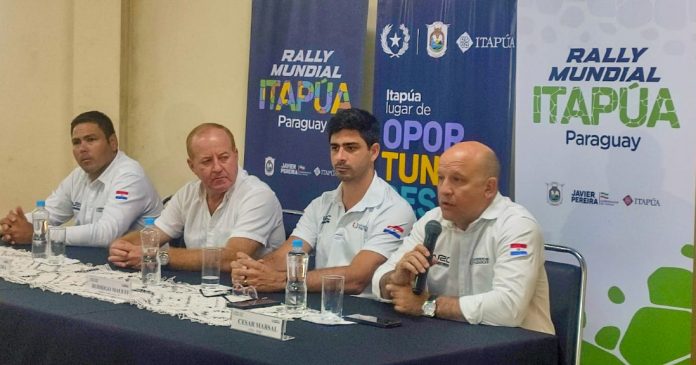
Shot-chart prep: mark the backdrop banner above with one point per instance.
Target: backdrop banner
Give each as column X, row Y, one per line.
column 305, row 63
column 443, row 73
column 604, row 146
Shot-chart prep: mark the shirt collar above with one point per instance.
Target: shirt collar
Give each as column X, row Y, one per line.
column 373, row 196
column 490, row 213
column 104, row 176
column 241, row 175
column 494, row 209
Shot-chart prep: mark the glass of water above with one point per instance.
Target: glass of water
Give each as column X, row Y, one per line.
column 210, row 267
column 56, row 246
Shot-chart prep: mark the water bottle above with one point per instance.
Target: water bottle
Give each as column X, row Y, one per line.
column 39, row 240
column 296, row 288
column 150, row 265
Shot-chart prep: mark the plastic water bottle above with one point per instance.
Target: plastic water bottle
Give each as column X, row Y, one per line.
column 150, row 265
column 39, row 240
column 296, row 288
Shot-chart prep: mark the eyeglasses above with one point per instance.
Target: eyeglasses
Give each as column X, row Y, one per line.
column 237, row 290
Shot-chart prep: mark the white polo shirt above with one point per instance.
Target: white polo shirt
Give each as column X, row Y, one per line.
column 249, row 209
column 377, row 223
column 106, row 208
column 495, row 267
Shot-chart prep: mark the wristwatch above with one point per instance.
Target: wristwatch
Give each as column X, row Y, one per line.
column 164, row 257
column 430, row 306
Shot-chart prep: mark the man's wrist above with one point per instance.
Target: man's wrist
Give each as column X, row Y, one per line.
column 429, row 307
column 164, row 256
column 383, row 281
column 281, row 280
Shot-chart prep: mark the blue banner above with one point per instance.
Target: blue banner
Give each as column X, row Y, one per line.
column 444, row 73
column 305, row 63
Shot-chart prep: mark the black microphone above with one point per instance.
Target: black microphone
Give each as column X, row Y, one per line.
column 432, row 231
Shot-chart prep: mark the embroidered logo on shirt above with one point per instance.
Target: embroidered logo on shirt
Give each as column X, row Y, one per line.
column 121, row 195
column 443, row 260
column 479, row 260
column 395, row 231
column 518, row 249
column 76, row 205
column 326, row 219
column 362, row 227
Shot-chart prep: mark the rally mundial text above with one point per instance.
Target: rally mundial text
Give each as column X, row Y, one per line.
column 304, row 79
column 585, row 106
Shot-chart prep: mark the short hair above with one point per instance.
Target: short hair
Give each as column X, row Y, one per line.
column 96, row 117
column 355, row 119
column 491, row 165
column 205, row 126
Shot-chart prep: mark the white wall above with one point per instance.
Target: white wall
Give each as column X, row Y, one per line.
column 188, row 63
column 56, row 60
column 156, row 67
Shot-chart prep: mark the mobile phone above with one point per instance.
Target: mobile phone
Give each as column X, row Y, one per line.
column 253, row 303
column 373, row 321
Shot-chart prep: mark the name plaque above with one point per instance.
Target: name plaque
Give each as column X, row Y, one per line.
column 259, row 324
column 109, row 285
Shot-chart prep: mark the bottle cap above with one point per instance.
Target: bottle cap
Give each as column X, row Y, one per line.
column 40, row 203
column 149, row 221
column 297, row 244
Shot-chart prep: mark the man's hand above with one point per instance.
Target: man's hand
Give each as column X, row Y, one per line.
column 16, row 228
column 405, row 301
column 248, row 271
column 123, row 253
column 410, row 265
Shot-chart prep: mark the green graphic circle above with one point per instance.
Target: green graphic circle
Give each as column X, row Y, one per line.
column 616, row 295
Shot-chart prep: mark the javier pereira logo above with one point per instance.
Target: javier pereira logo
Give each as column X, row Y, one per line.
column 592, row 197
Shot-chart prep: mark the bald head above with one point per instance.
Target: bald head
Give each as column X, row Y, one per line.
column 467, row 182
column 476, row 154
column 202, row 128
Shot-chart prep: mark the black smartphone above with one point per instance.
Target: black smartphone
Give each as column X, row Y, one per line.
column 373, row 321
column 253, row 303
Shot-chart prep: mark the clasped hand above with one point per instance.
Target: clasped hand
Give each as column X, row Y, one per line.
column 16, row 228
column 256, row 273
column 123, row 253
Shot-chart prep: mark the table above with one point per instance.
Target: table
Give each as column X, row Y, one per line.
column 39, row 327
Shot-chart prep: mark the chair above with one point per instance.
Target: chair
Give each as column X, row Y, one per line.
column 290, row 219
column 567, row 297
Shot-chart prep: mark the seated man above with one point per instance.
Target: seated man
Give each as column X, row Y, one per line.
column 108, row 195
column 353, row 229
column 488, row 262
column 224, row 208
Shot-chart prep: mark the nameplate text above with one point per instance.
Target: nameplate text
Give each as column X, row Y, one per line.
column 258, row 324
column 108, row 285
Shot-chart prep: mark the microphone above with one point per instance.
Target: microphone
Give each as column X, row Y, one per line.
column 432, row 231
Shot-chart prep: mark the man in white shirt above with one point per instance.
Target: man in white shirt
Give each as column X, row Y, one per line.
column 108, row 195
column 225, row 207
column 352, row 229
column 488, row 263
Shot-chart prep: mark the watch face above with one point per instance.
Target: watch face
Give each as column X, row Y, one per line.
column 164, row 257
column 429, row 308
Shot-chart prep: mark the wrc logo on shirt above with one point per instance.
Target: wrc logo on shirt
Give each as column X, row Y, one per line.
column 395, row 231
column 121, row 195
column 518, row 249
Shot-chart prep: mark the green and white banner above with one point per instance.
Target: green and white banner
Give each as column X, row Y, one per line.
column 605, row 149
